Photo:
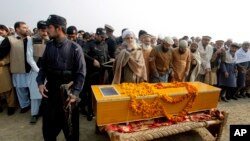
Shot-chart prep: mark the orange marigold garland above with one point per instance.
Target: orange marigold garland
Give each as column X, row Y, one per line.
column 141, row 107
column 155, row 108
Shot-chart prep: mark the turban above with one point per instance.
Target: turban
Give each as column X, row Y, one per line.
column 126, row 33
column 183, row 44
column 168, row 40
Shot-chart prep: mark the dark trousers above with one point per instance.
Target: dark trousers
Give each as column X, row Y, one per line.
column 86, row 99
column 54, row 117
column 87, row 94
column 227, row 92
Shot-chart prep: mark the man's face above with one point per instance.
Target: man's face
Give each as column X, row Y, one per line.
column 193, row 48
column 233, row 49
column 192, row 38
column 22, row 30
column 218, row 45
column 3, row 33
column 197, row 39
column 43, row 33
column 129, row 40
column 153, row 41
column 35, row 30
column 147, row 41
column 245, row 47
column 165, row 46
column 229, row 42
column 99, row 38
column 176, row 42
column 72, row 37
column 80, row 35
column 205, row 41
column 52, row 31
column 182, row 50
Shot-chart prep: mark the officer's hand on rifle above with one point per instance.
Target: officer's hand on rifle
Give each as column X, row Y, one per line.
column 42, row 90
column 72, row 98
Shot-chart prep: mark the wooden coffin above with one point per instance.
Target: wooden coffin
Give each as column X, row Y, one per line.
column 111, row 109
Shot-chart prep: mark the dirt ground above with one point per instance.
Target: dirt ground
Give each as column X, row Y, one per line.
column 17, row 127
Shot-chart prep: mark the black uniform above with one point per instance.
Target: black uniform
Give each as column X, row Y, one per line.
column 63, row 61
column 99, row 51
column 119, row 40
column 111, row 42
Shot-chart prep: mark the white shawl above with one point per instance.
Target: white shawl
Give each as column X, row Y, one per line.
column 206, row 55
column 242, row 56
column 196, row 70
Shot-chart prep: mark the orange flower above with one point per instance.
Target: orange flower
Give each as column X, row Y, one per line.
column 155, row 108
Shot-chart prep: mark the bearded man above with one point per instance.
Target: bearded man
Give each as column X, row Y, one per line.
column 195, row 64
column 181, row 63
column 160, row 61
column 146, row 49
column 129, row 63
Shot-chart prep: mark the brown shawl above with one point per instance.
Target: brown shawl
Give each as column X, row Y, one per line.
column 194, row 73
column 134, row 60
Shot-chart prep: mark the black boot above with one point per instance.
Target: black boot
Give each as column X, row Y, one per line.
column 248, row 95
column 238, row 96
column 11, row 111
column 25, row 109
column 224, row 99
column 1, row 109
column 242, row 94
column 34, row 119
column 234, row 98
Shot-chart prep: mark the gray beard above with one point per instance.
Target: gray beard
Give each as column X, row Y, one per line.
column 146, row 46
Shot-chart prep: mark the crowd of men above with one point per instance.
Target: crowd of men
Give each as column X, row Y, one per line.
column 33, row 66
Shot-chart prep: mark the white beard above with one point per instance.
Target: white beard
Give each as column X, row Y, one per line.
column 146, row 46
column 131, row 45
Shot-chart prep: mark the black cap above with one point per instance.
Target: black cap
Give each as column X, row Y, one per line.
column 142, row 32
column 101, row 31
column 71, row 30
column 81, row 31
column 56, row 20
column 41, row 25
column 86, row 35
column 4, row 27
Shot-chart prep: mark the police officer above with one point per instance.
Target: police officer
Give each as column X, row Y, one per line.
column 39, row 41
column 98, row 50
column 63, row 61
column 111, row 41
column 96, row 54
column 72, row 35
column 34, row 53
